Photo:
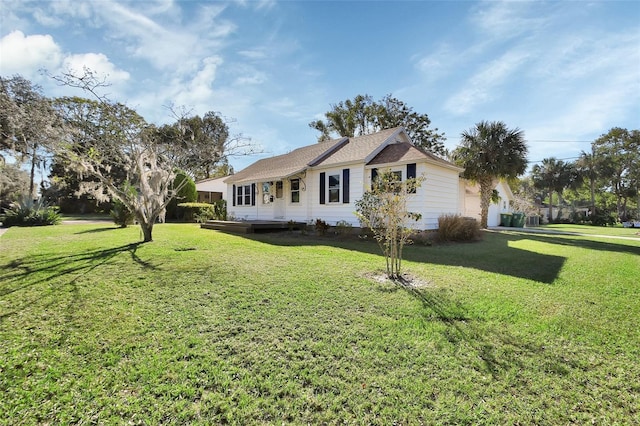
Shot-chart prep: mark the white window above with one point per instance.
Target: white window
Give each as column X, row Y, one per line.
column 243, row 195
column 295, row 190
column 334, row 188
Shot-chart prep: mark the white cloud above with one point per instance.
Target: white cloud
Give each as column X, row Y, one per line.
column 253, row 54
column 97, row 63
column 508, row 19
column 167, row 45
column 484, row 86
column 47, row 19
column 27, row 54
column 71, row 8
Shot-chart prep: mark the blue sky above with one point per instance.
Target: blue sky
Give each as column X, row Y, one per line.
column 564, row 72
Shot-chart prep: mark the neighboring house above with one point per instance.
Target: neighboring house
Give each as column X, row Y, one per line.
column 210, row 190
column 470, row 199
column 324, row 180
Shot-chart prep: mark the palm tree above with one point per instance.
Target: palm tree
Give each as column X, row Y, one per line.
column 488, row 152
column 554, row 176
column 587, row 166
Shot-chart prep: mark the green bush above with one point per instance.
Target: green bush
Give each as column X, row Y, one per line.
column 29, row 212
column 603, row 217
column 343, row 227
column 121, row 215
column 201, row 212
column 452, row 227
column 186, row 194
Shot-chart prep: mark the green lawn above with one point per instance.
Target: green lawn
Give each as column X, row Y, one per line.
column 594, row 230
column 203, row 327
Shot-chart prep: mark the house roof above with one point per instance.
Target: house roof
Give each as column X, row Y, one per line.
column 361, row 148
column 387, row 146
column 285, row 165
column 405, row 152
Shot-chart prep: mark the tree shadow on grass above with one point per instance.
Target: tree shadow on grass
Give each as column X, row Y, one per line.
column 498, row 350
column 20, row 274
column 98, row 230
column 495, row 253
column 491, row 255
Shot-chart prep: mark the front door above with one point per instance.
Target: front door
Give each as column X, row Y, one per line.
column 278, row 202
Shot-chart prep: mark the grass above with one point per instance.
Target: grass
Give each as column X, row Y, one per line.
column 594, row 230
column 87, row 217
column 202, row 327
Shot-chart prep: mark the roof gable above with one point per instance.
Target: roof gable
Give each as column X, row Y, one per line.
column 386, row 146
column 405, row 152
column 362, row 148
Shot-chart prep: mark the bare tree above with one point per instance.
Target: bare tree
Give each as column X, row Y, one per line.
column 384, row 210
column 112, row 137
column 29, row 125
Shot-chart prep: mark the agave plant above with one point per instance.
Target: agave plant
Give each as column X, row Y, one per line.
column 29, row 212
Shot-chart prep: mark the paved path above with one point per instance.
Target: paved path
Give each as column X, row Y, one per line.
column 554, row 232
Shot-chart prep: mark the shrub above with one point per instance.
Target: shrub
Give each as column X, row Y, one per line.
column 29, row 212
column 187, row 194
column 121, row 215
column 321, row 226
column 453, row 227
column 343, row 227
column 603, row 217
column 201, row 212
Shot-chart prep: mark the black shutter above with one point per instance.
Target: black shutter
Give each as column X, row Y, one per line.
column 374, row 175
column 345, row 186
column 411, row 174
column 253, row 194
column 234, row 195
column 323, row 187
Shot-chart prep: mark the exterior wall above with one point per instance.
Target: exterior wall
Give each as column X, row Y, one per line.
column 438, row 195
column 276, row 209
column 471, row 207
column 211, row 190
column 333, row 212
column 503, row 206
column 212, row 185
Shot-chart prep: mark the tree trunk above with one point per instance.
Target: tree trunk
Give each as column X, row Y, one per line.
column 593, row 196
column 147, row 229
column 550, row 206
column 486, row 189
column 33, row 170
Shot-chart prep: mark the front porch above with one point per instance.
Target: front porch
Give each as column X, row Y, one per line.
column 252, row 226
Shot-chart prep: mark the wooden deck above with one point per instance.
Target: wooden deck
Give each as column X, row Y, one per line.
column 251, row 226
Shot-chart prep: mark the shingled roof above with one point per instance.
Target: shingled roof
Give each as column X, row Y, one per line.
column 286, row 165
column 404, row 152
column 386, row 146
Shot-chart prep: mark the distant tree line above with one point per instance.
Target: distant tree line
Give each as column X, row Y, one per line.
column 605, row 180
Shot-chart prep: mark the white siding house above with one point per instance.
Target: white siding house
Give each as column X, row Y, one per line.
column 210, row 190
column 470, row 197
column 324, row 180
